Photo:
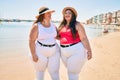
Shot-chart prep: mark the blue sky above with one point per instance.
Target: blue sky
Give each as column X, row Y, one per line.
column 28, row 9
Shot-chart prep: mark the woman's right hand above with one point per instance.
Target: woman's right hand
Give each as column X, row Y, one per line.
column 35, row 58
column 89, row 55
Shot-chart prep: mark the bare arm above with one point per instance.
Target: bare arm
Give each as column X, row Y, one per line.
column 57, row 33
column 57, row 37
column 84, row 39
column 32, row 38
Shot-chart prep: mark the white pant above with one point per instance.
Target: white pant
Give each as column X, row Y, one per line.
column 48, row 57
column 74, row 58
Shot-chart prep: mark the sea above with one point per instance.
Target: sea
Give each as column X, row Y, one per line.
column 14, row 37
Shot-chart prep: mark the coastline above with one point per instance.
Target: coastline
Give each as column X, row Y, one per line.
column 103, row 66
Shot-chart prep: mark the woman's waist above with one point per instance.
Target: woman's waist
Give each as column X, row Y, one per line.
column 47, row 41
column 68, row 44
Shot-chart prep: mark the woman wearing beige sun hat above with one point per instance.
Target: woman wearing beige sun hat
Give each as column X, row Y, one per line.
column 74, row 45
column 43, row 46
column 44, row 10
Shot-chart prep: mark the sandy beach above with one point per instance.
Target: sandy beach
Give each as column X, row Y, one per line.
column 105, row 64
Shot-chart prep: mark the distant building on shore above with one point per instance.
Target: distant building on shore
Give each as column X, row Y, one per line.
column 103, row 18
column 21, row 20
column 15, row 20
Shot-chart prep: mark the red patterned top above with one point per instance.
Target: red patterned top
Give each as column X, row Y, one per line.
column 66, row 36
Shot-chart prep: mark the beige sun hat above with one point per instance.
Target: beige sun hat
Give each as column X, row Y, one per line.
column 44, row 10
column 70, row 8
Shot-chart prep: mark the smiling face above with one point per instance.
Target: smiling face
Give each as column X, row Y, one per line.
column 47, row 16
column 68, row 15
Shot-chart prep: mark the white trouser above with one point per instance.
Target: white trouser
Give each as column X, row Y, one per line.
column 48, row 57
column 74, row 58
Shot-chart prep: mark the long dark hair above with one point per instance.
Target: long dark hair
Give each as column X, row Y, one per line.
column 71, row 24
column 40, row 18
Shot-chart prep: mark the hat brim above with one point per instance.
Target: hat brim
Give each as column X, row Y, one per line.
column 69, row 8
column 51, row 11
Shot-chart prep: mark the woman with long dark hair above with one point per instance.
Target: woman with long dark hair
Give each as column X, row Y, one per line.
column 74, row 44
